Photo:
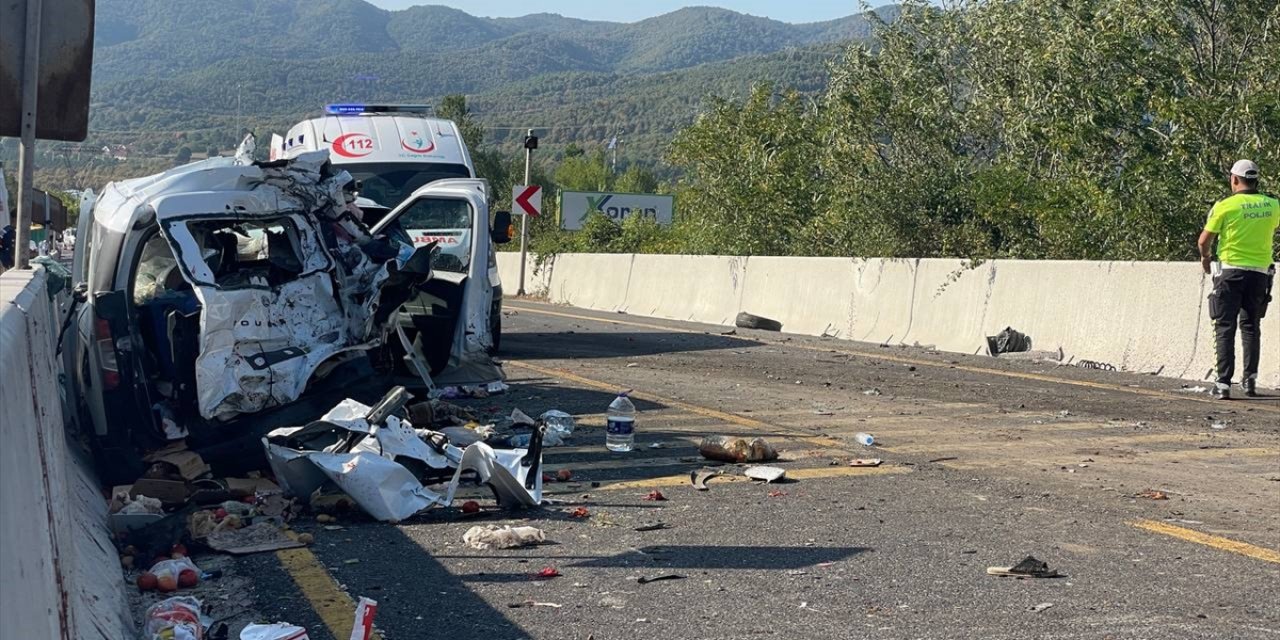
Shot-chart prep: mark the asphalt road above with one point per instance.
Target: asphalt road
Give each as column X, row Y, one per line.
column 985, row 461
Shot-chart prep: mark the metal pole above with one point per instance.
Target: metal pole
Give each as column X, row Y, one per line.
column 524, row 218
column 27, row 157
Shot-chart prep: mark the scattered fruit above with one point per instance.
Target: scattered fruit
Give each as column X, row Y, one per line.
column 188, row 578
column 655, row 496
column 126, row 562
column 233, row 521
column 167, row 584
column 130, row 550
column 580, row 512
column 547, row 573
column 219, row 514
column 306, row 538
column 178, row 551
column 471, row 506
column 147, row 581
column 324, row 517
column 564, row 475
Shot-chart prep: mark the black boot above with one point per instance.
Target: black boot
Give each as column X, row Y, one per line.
column 1221, row 393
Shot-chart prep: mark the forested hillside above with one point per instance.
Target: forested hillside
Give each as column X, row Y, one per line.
column 193, row 74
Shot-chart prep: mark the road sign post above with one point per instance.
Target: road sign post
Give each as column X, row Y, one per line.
column 522, row 198
column 27, row 146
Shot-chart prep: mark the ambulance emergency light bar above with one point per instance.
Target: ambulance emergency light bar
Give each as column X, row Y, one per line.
column 355, row 109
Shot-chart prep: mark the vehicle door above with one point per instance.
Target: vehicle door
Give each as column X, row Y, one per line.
column 456, row 306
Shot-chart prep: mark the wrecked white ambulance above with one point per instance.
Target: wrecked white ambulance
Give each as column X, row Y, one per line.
column 216, row 298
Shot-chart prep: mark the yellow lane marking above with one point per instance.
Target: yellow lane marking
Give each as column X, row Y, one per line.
column 685, row 406
column 336, row 609
column 796, row 474
column 1217, row 542
column 1039, row 377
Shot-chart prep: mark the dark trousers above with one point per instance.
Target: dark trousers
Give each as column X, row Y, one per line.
column 1238, row 297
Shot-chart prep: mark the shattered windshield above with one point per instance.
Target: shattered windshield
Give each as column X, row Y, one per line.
column 389, row 183
column 445, row 221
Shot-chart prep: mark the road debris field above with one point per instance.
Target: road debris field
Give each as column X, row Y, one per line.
column 998, row 498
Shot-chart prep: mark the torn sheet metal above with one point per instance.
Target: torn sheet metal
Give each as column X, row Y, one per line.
column 304, row 459
column 504, row 471
column 294, row 472
column 385, row 489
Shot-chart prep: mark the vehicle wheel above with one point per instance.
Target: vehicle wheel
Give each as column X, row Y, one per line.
column 752, row 321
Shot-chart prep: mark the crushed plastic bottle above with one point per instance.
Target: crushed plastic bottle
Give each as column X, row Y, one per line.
column 620, row 431
column 558, row 422
column 865, row 439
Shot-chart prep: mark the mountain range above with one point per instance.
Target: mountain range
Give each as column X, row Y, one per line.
column 200, row 70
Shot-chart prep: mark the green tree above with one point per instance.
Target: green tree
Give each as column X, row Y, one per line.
column 583, row 173
column 454, row 107
column 751, row 184
column 183, row 156
column 636, row 179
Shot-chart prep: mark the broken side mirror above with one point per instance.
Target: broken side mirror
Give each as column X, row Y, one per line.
column 419, row 263
column 502, row 229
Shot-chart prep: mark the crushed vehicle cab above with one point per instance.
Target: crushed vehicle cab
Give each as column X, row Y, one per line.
column 393, row 151
column 217, row 297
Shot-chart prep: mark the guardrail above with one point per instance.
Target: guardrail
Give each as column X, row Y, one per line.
column 1147, row 317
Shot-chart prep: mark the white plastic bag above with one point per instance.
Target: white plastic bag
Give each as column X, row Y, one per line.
column 176, row 618
column 277, row 631
column 174, row 568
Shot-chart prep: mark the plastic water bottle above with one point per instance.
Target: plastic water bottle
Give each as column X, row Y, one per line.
column 620, row 431
column 558, row 422
column 865, row 439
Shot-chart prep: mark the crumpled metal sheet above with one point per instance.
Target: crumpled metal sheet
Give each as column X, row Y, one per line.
column 386, row 490
column 368, row 473
column 503, row 470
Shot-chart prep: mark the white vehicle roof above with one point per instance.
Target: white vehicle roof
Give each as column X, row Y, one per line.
column 376, row 137
column 207, row 186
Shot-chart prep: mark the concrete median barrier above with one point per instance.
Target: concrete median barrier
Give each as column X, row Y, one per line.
column 605, row 288
column 698, row 288
column 773, row 285
column 1146, row 317
column 61, row 573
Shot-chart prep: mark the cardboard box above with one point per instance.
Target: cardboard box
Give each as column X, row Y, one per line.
column 188, row 463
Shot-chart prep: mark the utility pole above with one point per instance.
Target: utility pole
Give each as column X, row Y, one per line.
column 530, row 143
column 27, row 149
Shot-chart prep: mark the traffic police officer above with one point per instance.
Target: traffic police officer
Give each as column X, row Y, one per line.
column 1245, row 227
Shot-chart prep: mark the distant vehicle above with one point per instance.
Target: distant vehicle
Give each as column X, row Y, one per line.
column 214, row 302
column 391, row 151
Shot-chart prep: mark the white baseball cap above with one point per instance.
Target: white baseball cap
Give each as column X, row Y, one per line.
column 1245, row 169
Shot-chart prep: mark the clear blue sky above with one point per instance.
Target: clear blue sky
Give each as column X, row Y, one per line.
column 618, row 11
